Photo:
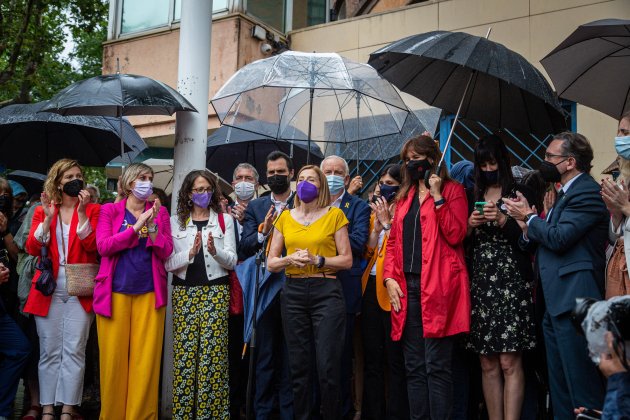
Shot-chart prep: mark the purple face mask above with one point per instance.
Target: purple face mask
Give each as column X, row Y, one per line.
column 202, row 199
column 307, row 192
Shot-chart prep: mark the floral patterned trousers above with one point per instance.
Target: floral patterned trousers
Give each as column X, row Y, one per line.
column 200, row 352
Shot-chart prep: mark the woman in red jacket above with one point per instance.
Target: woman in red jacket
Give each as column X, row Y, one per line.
column 66, row 225
column 426, row 279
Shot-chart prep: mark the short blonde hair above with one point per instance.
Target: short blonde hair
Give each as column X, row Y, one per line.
column 132, row 172
column 323, row 199
column 55, row 174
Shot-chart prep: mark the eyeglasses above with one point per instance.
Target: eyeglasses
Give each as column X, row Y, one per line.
column 551, row 155
column 202, row 190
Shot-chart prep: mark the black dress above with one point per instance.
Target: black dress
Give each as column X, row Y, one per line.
column 502, row 317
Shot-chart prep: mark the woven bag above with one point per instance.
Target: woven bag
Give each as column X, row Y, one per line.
column 80, row 278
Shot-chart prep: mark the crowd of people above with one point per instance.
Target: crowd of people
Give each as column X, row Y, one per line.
column 384, row 300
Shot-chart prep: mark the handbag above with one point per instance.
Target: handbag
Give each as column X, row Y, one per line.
column 236, row 291
column 617, row 278
column 46, row 284
column 80, row 276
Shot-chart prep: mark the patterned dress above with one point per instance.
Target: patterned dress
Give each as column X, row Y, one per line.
column 502, row 311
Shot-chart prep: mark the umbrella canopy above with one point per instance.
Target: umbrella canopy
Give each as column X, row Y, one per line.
column 117, row 95
column 33, row 182
column 387, row 147
column 592, row 66
column 228, row 146
column 270, row 285
column 32, row 140
column 506, row 91
column 311, row 97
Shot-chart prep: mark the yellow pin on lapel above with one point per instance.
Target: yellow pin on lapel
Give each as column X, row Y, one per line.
column 348, row 205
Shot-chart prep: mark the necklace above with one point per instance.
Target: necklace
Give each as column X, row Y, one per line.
column 308, row 222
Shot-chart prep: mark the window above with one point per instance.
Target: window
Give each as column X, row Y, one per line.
column 136, row 16
column 270, row 12
column 308, row 13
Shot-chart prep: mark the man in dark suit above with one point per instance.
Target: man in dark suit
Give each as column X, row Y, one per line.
column 570, row 258
column 358, row 214
column 272, row 368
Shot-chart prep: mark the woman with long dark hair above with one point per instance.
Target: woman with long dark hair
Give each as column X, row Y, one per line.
column 426, row 279
column 204, row 250
column 502, row 321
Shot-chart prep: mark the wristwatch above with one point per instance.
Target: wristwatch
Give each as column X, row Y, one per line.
column 321, row 261
column 440, row 202
column 387, row 226
column 153, row 229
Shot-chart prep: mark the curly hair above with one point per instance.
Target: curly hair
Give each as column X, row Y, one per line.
column 184, row 203
column 55, row 174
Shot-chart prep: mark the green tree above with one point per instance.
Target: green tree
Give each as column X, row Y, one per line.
column 33, row 36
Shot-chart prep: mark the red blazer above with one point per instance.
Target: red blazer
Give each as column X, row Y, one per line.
column 444, row 288
column 79, row 251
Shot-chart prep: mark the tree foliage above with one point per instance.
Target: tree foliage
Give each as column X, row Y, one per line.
column 33, row 37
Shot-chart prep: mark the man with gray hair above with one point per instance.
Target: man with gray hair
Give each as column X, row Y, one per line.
column 358, row 214
column 245, row 183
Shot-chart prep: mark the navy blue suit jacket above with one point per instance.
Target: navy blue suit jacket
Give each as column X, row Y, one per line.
column 358, row 214
column 254, row 215
column 571, row 246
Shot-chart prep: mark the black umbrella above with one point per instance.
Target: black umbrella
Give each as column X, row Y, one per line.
column 229, row 146
column 32, row 140
column 506, row 91
column 32, row 182
column 116, row 95
column 592, row 66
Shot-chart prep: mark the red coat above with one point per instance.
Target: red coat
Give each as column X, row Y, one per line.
column 79, row 251
column 444, row 287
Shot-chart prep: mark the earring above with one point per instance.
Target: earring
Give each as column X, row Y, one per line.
column 189, row 202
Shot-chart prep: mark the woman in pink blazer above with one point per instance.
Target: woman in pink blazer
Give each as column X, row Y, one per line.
column 134, row 239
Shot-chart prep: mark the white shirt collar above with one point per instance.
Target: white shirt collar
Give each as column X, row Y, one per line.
column 337, row 202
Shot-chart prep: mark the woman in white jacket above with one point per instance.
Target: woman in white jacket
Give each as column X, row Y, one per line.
column 617, row 200
column 204, row 250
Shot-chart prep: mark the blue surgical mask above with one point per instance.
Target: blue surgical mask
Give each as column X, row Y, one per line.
column 622, row 145
column 335, row 183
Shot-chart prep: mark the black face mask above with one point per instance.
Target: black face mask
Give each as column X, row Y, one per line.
column 490, row 177
column 278, row 184
column 388, row 192
column 72, row 188
column 549, row 172
column 416, row 169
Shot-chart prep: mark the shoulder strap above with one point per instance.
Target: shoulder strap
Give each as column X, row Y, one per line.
column 221, row 221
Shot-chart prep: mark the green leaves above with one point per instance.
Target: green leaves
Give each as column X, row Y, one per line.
column 33, row 37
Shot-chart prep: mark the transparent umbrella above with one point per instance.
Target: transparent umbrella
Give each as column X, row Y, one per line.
column 312, row 97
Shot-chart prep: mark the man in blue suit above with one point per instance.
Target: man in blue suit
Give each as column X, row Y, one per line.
column 570, row 258
column 358, row 214
column 272, row 368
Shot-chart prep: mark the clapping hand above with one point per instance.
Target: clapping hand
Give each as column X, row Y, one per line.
column 615, row 197
column 381, row 209
column 210, row 244
column 84, row 199
column 299, row 258
column 4, row 274
column 196, row 246
column 518, row 208
column 47, row 205
column 355, row 185
column 238, row 212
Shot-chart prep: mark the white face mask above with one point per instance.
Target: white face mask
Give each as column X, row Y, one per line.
column 142, row 190
column 244, row 190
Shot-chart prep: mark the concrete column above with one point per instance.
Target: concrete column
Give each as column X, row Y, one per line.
column 191, row 134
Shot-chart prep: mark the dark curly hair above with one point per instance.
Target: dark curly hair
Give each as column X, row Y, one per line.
column 184, row 203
